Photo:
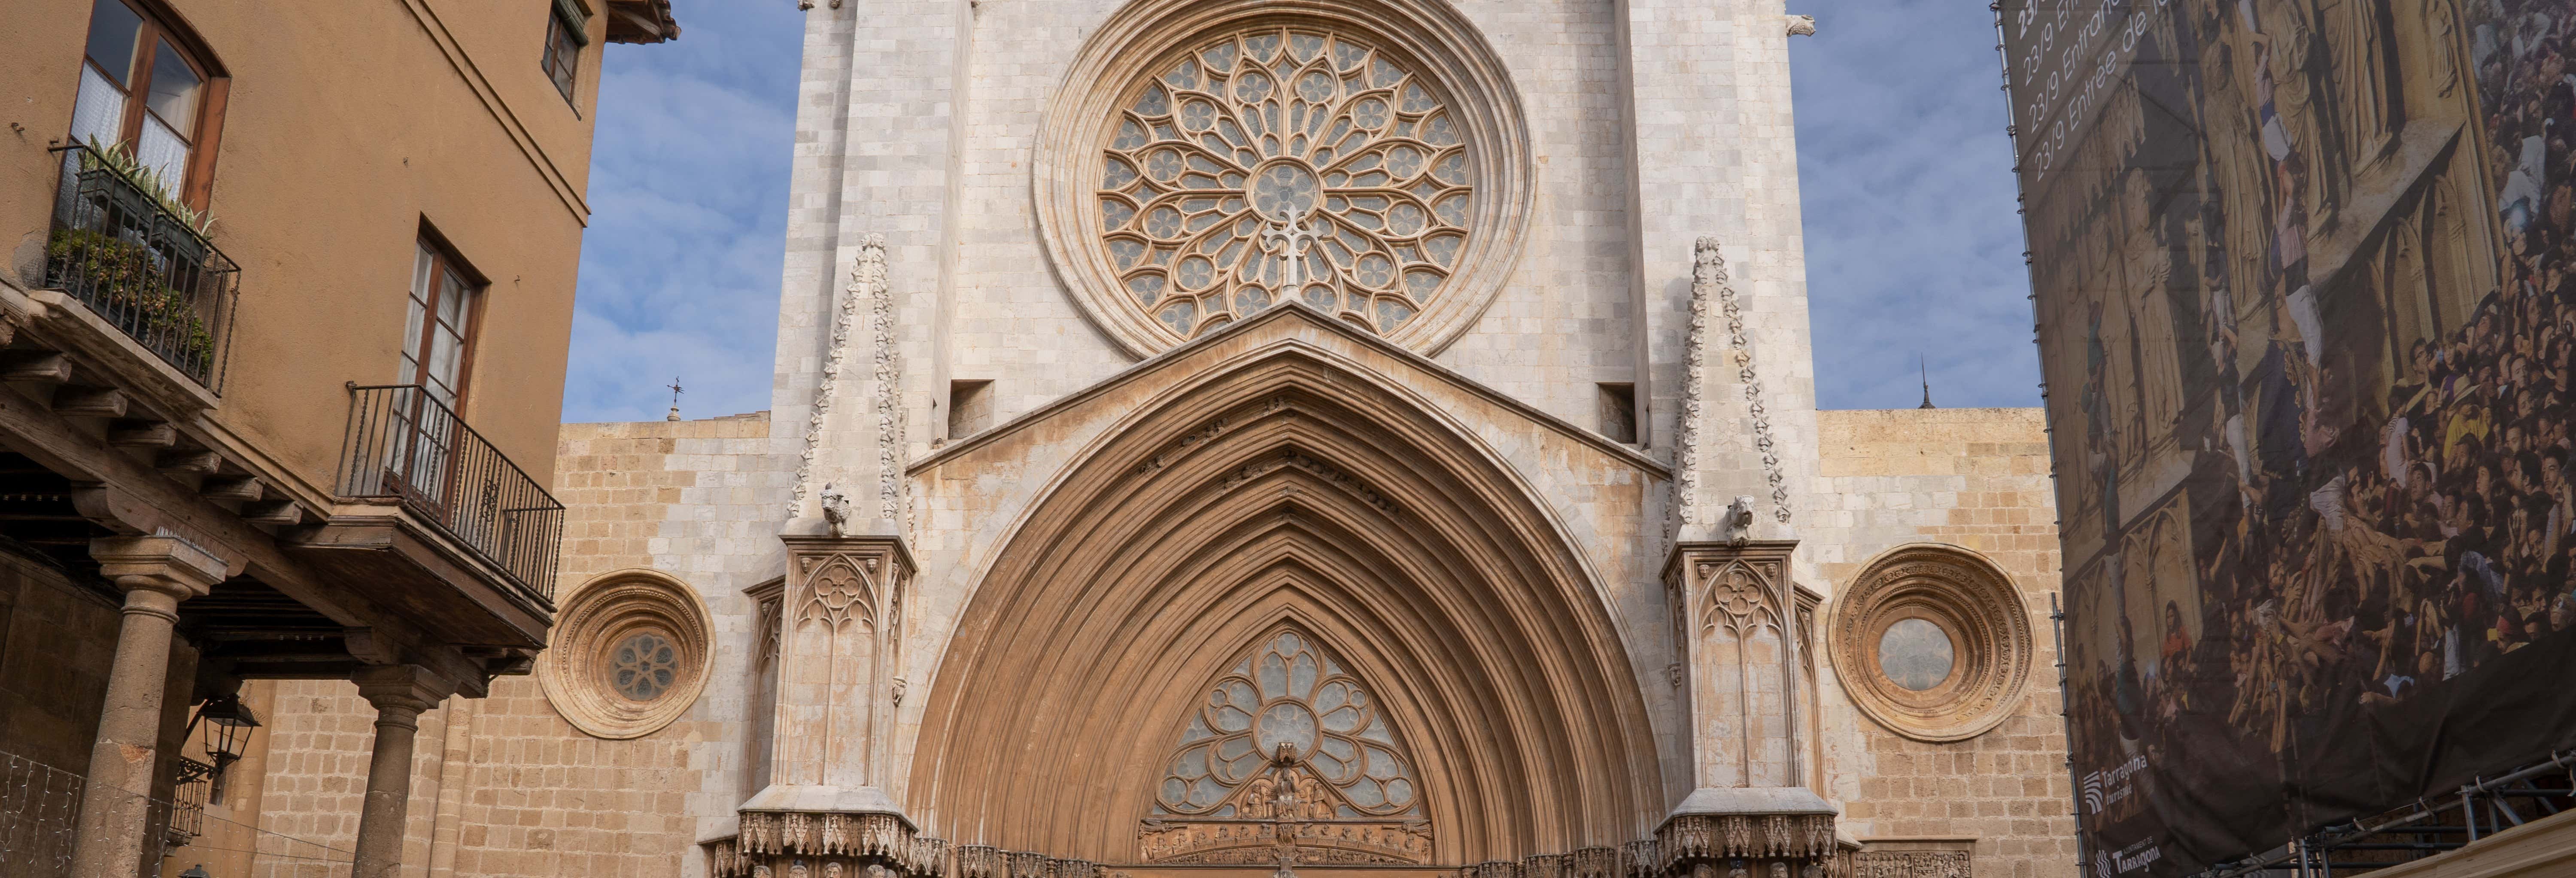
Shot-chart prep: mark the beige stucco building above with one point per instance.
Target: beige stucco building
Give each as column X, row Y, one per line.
column 1371, row 438
column 283, row 323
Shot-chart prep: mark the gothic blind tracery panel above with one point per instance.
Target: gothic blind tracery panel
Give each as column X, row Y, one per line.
column 1275, row 163
column 1288, row 740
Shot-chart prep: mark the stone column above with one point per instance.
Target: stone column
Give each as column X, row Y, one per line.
column 156, row 573
column 1745, row 674
column 400, row 693
column 839, row 679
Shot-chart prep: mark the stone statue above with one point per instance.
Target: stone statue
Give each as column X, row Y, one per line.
column 836, row 509
column 1739, row 520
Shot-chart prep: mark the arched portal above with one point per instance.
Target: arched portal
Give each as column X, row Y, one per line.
column 1287, row 492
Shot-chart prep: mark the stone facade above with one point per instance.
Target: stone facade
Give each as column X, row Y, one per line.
column 1978, row 479
column 994, row 654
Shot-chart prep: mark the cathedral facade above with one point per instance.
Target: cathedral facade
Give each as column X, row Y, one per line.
column 1240, row 437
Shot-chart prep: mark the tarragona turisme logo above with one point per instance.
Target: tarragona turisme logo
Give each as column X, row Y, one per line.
column 2103, row 789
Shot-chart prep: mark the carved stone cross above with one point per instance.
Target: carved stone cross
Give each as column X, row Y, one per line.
column 1288, row 240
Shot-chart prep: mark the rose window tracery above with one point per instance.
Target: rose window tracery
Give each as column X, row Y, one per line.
column 1289, row 706
column 1287, row 755
column 1276, row 163
column 644, row 666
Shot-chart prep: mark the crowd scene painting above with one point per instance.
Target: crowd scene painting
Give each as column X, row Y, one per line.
column 2315, row 455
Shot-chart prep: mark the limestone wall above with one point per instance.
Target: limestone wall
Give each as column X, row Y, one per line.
column 879, row 151
column 504, row 786
column 1976, row 478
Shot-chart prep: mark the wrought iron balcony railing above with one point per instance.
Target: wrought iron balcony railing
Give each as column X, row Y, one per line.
column 406, row 445
column 138, row 265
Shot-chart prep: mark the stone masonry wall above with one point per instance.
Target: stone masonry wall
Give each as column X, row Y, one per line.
column 503, row 786
column 1976, row 478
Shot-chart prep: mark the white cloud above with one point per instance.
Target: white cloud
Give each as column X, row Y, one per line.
column 688, row 196
column 1913, row 247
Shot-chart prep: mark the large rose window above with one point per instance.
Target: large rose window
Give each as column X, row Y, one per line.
column 1275, row 163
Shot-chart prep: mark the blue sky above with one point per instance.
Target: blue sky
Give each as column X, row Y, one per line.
column 1912, row 245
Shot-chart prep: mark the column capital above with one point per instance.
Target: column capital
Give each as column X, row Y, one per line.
column 160, row 563
column 402, row 691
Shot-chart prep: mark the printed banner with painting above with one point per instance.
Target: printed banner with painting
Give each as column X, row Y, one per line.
column 2306, row 294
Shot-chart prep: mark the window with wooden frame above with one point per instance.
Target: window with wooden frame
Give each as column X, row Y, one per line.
column 438, row 336
column 149, row 84
column 565, row 35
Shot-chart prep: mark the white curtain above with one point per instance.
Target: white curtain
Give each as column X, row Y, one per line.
column 161, row 150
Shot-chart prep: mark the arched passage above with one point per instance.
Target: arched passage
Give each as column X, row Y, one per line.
column 1286, row 490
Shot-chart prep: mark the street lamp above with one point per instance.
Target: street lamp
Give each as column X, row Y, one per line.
column 228, row 724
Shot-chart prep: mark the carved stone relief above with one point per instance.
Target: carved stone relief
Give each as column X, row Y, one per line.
column 1288, row 760
column 1932, row 641
column 1743, row 666
column 630, row 654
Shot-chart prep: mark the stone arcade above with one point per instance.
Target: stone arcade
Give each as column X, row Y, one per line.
column 1228, row 438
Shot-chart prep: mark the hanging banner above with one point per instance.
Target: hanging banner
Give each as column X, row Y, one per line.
column 2306, row 294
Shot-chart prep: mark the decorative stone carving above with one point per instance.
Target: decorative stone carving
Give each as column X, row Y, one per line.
column 1327, row 472
column 836, row 509
column 630, row 654
column 892, row 499
column 1213, row 210
column 1708, row 270
column 1207, row 160
column 867, row 284
column 1288, row 760
column 1932, row 641
column 1911, row 864
column 840, row 638
column 841, row 643
column 1706, row 267
column 1743, row 665
column 1745, row 836
column 1801, row 25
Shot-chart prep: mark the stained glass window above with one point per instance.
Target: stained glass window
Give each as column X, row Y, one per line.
column 1287, row 712
column 1273, row 164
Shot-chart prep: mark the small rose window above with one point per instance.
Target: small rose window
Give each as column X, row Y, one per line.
column 629, row 654
column 644, row 666
column 1933, row 642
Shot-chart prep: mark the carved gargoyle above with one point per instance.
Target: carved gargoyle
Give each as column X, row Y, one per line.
column 1802, row 25
column 836, row 509
column 1739, row 520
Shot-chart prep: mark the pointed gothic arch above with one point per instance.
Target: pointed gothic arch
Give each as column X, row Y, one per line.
column 1287, row 491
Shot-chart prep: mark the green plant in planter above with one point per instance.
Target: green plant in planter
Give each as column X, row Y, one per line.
column 118, row 278
column 119, row 158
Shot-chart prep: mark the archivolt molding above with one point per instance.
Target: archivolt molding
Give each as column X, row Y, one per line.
column 621, row 609
column 1972, row 602
column 1287, row 491
column 1427, row 38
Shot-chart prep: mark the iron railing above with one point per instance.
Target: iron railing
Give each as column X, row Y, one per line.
column 405, row 444
column 119, row 250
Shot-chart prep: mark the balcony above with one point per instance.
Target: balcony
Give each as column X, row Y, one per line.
column 132, row 259
column 436, row 526
column 406, row 446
